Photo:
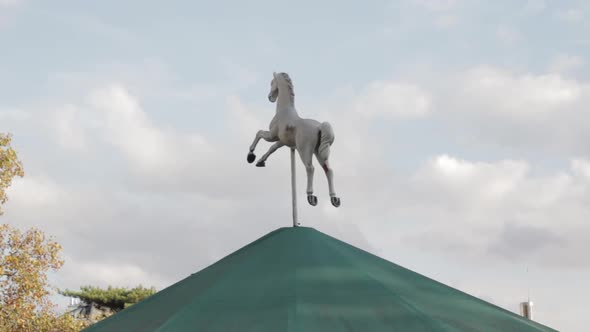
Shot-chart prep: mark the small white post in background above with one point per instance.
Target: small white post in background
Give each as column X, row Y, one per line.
column 294, row 188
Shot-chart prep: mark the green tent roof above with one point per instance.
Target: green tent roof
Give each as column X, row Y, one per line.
column 299, row 279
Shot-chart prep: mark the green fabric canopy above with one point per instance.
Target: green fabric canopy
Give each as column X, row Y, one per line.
column 299, row 279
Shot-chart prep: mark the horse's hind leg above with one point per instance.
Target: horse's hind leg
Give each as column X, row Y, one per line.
column 271, row 150
column 306, row 154
column 330, row 176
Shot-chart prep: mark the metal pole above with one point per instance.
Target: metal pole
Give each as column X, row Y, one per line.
column 294, row 188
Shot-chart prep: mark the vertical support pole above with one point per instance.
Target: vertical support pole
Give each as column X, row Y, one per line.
column 294, row 188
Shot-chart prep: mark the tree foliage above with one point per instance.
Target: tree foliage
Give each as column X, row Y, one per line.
column 10, row 166
column 25, row 259
column 114, row 298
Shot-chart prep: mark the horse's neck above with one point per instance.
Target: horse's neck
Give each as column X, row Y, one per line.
column 285, row 104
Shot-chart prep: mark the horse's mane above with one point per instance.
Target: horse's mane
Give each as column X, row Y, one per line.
column 287, row 79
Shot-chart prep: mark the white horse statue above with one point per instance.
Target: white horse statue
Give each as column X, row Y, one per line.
column 309, row 137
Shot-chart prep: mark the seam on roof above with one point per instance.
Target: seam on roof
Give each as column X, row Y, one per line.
column 513, row 315
column 402, row 300
column 292, row 309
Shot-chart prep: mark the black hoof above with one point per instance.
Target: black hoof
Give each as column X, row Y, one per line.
column 312, row 200
column 335, row 201
column 260, row 164
column 251, row 157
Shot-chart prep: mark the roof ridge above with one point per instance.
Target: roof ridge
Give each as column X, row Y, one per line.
column 532, row 323
column 403, row 301
column 236, row 253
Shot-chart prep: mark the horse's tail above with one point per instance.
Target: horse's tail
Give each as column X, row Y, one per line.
column 326, row 139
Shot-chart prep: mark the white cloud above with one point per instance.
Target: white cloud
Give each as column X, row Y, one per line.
column 145, row 79
column 535, row 6
column 239, row 75
column 437, row 5
column 14, row 114
column 516, row 110
column 571, row 15
column 69, row 128
column 10, row 3
column 38, row 200
column 478, row 213
column 127, row 127
column 539, row 111
column 34, row 192
column 446, row 21
column 484, row 180
column 244, row 120
column 581, row 167
column 507, row 92
column 393, row 99
column 508, row 35
column 565, row 64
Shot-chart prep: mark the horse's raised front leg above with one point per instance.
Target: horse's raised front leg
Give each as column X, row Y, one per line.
column 306, row 155
column 271, row 150
column 330, row 176
column 267, row 136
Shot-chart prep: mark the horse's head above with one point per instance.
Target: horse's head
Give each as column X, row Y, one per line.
column 281, row 81
column 274, row 88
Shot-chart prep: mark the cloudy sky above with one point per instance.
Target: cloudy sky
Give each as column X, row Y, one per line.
column 462, row 136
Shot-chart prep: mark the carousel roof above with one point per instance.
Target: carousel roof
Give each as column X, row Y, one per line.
column 299, row 279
